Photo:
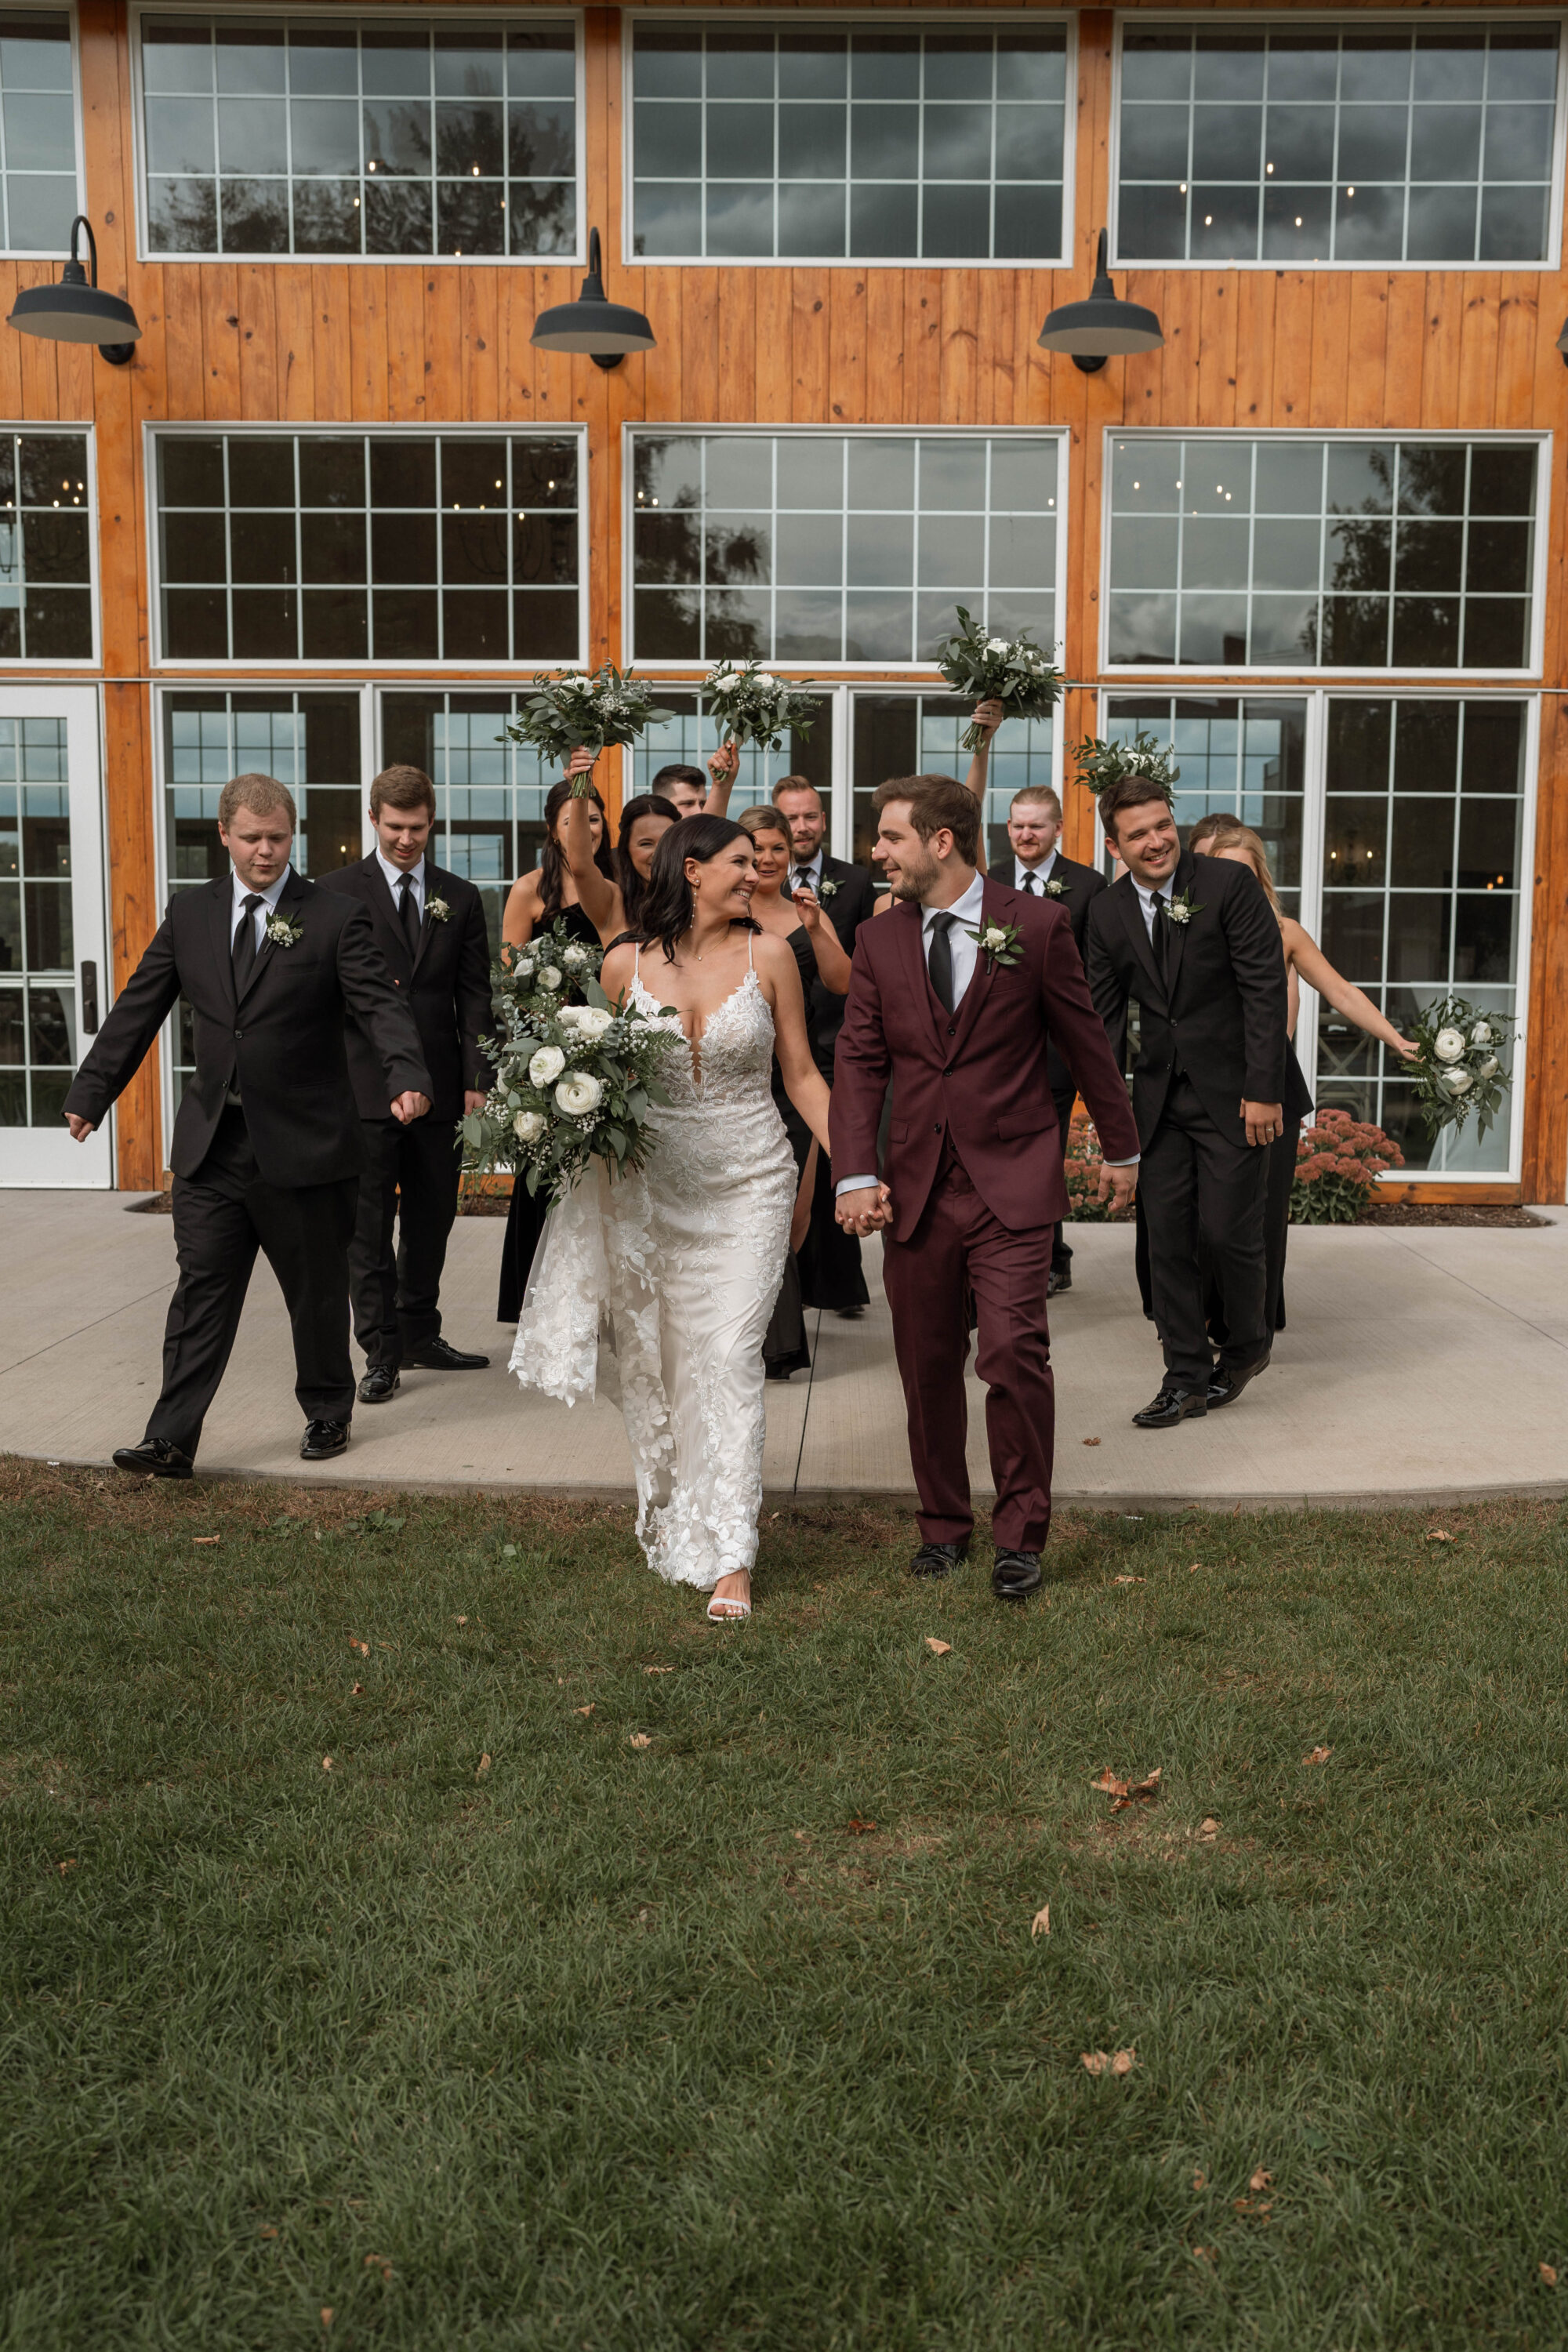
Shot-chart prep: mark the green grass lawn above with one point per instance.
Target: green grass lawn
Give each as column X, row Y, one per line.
column 507, row 2030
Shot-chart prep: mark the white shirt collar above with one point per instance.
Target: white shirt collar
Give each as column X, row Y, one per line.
column 394, row 874
column 812, row 865
column 242, row 891
column 966, row 908
column 1042, row 872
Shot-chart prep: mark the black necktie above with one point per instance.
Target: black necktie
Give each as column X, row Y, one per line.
column 940, row 965
column 243, row 946
column 409, row 912
column 803, row 878
column 1031, row 883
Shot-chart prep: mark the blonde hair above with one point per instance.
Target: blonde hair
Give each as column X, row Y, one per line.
column 262, row 795
column 763, row 818
column 1214, row 834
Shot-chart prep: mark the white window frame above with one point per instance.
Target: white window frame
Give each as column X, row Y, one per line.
column 48, row 253
column 1264, row 20
column 794, row 20
column 295, row 429
column 1314, row 806
column 676, row 670
column 25, row 666
column 1229, row 436
column 423, row 17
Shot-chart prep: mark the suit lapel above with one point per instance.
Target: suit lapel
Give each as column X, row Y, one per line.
column 981, row 978
column 911, row 924
column 1133, row 918
column 1180, row 881
column 287, row 897
column 433, row 889
column 220, row 914
column 389, row 931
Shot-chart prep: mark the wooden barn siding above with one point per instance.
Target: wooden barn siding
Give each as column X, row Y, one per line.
column 421, row 344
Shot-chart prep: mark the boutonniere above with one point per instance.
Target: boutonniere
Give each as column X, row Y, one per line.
column 999, row 943
column 284, row 932
column 1182, row 911
column 827, row 888
column 1054, row 889
column 438, row 910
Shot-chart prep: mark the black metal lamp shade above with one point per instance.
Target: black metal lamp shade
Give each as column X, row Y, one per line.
column 1103, row 328
column 79, row 309
column 606, row 331
column 1563, row 342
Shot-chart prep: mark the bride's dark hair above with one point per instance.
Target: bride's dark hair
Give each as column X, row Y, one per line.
column 667, row 910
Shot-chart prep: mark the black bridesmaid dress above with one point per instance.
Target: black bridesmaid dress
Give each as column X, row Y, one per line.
column 525, row 1218
column 786, row 1349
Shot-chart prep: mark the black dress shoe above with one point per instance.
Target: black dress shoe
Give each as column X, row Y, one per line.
column 1061, row 1279
column 322, row 1439
column 938, row 1559
column 1226, row 1382
column 1171, row 1405
column 439, row 1356
column 849, row 1314
column 379, row 1383
column 1015, row 1574
column 155, row 1458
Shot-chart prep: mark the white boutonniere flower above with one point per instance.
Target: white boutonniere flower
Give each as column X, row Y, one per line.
column 827, row 888
column 284, row 932
column 999, row 943
column 1054, row 889
column 1182, row 911
column 439, row 911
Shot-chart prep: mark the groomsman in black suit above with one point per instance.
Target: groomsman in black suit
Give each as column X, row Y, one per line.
column 266, row 1151
column 430, row 927
column 1195, row 941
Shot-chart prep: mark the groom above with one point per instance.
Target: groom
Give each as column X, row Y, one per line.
column 957, row 996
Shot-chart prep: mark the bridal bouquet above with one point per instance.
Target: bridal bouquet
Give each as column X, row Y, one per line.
column 578, row 711
column 1461, row 1068
column 752, row 706
column 1100, row 764
column 554, row 969
column 1009, row 670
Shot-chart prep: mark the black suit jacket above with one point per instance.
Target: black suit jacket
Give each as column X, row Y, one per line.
column 851, row 895
column 1223, row 1013
column 1081, row 886
column 446, row 987
column 283, row 1039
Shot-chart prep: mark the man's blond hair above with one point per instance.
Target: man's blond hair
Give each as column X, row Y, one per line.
column 1043, row 793
column 262, row 795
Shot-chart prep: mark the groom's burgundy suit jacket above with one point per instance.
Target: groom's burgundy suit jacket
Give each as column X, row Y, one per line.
column 977, row 1075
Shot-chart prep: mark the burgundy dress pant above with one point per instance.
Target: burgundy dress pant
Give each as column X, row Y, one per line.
column 959, row 1247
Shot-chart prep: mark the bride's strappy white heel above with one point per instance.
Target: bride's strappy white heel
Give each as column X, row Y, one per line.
column 728, row 1611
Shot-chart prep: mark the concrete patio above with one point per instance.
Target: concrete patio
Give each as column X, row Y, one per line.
column 1420, row 1366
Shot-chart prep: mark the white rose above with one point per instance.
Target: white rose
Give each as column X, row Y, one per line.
column 1487, row 1069
column 523, row 967
column 546, row 1066
column 579, row 1094
column 1448, row 1044
column 1481, row 1034
column 573, row 957
column 997, row 645
column 1457, row 1081
column 550, row 977
column 992, row 939
column 592, row 1021
column 528, row 1126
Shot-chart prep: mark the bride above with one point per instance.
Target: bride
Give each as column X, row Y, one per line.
column 678, row 1266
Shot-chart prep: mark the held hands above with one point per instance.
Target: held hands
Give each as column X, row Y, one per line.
column 1265, row 1122
column 866, row 1210
column 409, row 1106
column 1119, row 1186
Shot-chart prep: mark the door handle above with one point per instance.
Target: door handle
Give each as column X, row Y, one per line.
column 89, row 999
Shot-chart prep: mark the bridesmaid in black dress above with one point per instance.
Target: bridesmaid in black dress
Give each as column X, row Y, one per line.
column 574, row 881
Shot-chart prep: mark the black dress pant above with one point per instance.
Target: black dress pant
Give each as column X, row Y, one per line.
column 1203, row 1199
column 410, row 1174
column 223, row 1216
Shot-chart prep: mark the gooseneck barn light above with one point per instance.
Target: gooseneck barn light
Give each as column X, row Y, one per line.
column 1103, row 328
column 606, row 331
column 79, row 309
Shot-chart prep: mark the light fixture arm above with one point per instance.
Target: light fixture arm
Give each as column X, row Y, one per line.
column 594, row 291
column 74, row 264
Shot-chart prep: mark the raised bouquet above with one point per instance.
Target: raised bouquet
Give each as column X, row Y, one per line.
column 1012, row 671
column 752, row 706
column 1102, row 764
column 1460, row 1068
column 576, row 1076
column 577, row 711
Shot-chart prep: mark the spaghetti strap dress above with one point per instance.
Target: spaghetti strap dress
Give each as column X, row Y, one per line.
column 525, row 1218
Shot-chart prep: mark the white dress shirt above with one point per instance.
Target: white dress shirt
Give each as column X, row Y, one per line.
column 808, row 870
column 1042, row 873
column 394, row 884
column 260, row 916
column 965, row 951
column 1146, row 899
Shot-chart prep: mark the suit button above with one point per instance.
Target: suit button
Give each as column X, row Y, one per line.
column 238, row 1033
column 953, row 1029
column 939, row 1127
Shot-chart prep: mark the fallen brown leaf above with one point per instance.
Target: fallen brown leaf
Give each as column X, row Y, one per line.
column 1207, row 1830
column 326, row 1763
column 362, row 1647
column 1124, row 2062
column 1105, row 2062
column 1440, row 1534
column 1318, row 1756
column 1040, row 1925
column 267, row 2230
column 358, row 1691
column 1205, row 2253
column 1261, row 2180
column 1091, row 1441
column 378, row 2262
column 1199, row 2181
column 1095, row 2062
column 641, row 1740
column 69, row 1864
column 858, row 1828
column 659, row 1670
column 326, row 2315
column 1123, row 1793
column 206, row 1539
column 481, row 1768
column 1129, row 1579
column 1548, row 2273
column 799, row 1835
column 462, row 1621
column 585, row 1710
column 938, row 1649
column 1194, row 1566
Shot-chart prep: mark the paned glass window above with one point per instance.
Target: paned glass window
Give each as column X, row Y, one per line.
column 46, row 547
column 282, row 135
column 1422, row 869
column 308, row 741
column 37, row 131
column 918, row 734
column 38, row 952
column 839, row 546
column 356, row 547
column 1316, row 143
column 489, row 792
column 692, row 735
column 1227, row 552
column 860, row 143
column 1238, row 757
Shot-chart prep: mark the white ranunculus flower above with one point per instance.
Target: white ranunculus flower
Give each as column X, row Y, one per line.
column 1487, row 1069
column 546, row 1066
column 550, row 977
column 523, row 967
column 1448, row 1044
column 1481, row 1034
column 592, row 1021
column 997, row 645
column 528, row 1126
column 573, row 957
column 1458, row 1082
column 578, row 1094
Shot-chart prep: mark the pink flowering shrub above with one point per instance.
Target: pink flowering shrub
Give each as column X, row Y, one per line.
column 1337, row 1162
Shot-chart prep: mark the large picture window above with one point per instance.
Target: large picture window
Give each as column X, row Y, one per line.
column 46, row 547
column 1305, row 554
column 1238, row 756
column 489, row 792
column 1302, row 143
column 820, row 142
column 280, row 135
column 366, row 547
column 836, row 547
column 37, row 131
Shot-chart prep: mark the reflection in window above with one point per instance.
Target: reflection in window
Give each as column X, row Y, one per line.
column 1242, row 758
column 354, row 547
column 1421, row 889
column 38, row 950
column 865, row 143
column 489, row 792
column 918, row 734
column 1347, row 554
column 46, row 547
column 692, row 735
column 38, row 132
column 834, row 547
column 1307, row 144
column 277, row 135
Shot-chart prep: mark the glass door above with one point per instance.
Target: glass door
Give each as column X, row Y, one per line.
column 54, row 976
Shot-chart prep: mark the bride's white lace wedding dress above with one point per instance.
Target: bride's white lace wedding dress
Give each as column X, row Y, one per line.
column 675, row 1270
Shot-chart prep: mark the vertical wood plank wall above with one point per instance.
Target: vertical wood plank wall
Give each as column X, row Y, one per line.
column 430, row 343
